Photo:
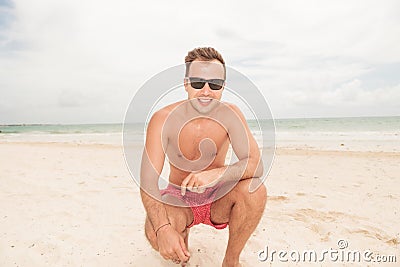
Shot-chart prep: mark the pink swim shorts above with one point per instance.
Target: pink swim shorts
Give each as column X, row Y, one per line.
column 199, row 203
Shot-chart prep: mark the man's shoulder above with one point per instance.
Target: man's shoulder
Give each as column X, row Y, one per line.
column 231, row 107
column 169, row 108
column 164, row 112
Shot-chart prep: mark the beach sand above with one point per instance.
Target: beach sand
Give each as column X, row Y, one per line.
column 76, row 205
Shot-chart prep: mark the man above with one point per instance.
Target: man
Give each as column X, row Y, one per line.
column 195, row 135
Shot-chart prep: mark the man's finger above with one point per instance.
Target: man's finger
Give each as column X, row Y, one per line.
column 176, row 259
column 183, row 245
column 184, row 184
column 165, row 256
column 201, row 189
column 195, row 188
column 181, row 254
column 190, row 185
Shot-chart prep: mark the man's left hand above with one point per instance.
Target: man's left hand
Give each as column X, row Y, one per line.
column 199, row 181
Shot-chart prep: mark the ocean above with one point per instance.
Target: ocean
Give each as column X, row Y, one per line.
column 354, row 134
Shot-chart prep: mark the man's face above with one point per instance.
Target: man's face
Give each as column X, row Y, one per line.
column 205, row 99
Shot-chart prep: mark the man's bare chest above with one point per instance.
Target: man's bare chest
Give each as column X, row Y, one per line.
column 198, row 138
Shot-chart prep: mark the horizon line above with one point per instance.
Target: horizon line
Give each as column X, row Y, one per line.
column 107, row 123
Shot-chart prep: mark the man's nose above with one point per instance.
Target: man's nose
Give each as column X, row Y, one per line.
column 206, row 90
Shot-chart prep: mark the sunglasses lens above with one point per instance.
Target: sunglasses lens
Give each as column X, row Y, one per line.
column 216, row 84
column 197, row 85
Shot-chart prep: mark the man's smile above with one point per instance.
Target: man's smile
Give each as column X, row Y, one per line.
column 204, row 101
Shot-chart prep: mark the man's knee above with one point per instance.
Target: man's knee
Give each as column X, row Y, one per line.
column 247, row 192
column 261, row 194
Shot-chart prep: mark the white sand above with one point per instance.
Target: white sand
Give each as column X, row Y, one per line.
column 76, row 205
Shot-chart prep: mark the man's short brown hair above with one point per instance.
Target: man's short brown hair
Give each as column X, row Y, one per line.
column 204, row 54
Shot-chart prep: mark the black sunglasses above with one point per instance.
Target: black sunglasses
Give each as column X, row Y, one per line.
column 198, row 83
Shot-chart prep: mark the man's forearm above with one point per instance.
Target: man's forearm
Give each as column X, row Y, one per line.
column 243, row 169
column 155, row 209
column 150, row 193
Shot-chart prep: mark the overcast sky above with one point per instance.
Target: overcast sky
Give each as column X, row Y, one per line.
column 77, row 61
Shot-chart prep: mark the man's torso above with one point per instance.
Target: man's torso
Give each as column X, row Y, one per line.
column 188, row 149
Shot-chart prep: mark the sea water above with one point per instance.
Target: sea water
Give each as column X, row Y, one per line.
column 353, row 134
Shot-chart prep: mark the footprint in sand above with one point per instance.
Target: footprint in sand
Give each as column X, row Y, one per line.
column 394, row 241
column 311, row 216
column 375, row 233
column 277, row 198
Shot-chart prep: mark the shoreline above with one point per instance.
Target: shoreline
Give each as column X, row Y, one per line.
column 278, row 151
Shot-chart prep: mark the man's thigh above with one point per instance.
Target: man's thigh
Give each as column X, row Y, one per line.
column 221, row 208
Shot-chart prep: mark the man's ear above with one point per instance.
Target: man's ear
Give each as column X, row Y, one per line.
column 186, row 84
column 223, row 86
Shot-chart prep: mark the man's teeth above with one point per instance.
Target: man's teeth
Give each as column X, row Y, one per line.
column 204, row 100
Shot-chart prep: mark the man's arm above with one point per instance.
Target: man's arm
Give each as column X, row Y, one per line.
column 246, row 149
column 152, row 163
column 170, row 244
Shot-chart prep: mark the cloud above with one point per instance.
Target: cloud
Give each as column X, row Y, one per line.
column 72, row 99
column 349, row 99
column 69, row 55
column 353, row 93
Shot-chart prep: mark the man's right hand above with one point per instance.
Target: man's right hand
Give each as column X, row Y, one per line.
column 171, row 245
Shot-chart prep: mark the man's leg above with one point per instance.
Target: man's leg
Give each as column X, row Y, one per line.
column 179, row 217
column 243, row 211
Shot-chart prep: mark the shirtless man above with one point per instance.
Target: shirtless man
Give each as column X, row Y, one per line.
column 195, row 135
